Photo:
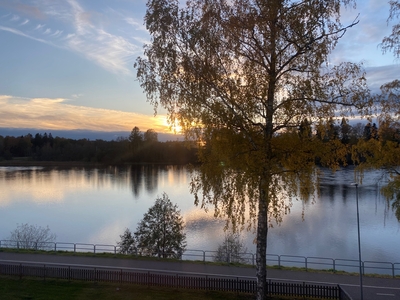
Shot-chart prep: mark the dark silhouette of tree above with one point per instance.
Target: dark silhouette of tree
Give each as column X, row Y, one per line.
column 127, row 243
column 136, row 141
column 345, row 131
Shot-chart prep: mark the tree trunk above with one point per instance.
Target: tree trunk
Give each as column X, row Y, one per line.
column 261, row 254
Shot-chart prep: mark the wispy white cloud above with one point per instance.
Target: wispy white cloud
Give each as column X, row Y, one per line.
column 15, row 18
column 24, row 22
column 39, row 26
column 57, row 33
column 136, row 24
column 108, row 50
column 76, row 96
column 71, row 26
column 18, row 32
column 58, row 114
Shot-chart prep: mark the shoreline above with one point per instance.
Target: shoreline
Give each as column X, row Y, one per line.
column 52, row 163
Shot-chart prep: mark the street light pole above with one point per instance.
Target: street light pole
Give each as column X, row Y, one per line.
column 359, row 245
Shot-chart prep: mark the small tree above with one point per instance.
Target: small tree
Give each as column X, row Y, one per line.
column 232, row 250
column 27, row 236
column 127, row 244
column 160, row 233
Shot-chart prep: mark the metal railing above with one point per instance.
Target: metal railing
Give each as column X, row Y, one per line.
column 321, row 263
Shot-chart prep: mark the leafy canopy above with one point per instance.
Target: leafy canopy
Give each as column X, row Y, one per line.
column 236, row 75
column 240, row 77
column 161, row 231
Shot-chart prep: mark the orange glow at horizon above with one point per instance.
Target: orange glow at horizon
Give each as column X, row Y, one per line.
column 58, row 114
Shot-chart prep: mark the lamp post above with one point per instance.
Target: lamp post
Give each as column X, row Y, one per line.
column 359, row 244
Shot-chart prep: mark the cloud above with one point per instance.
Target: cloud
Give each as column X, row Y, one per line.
column 135, row 24
column 82, row 31
column 58, row 114
column 39, row 26
column 18, row 32
column 24, row 22
column 110, row 51
column 15, row 18
column 378, row 76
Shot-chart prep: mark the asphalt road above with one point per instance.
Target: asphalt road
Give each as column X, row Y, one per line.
column 373, row 288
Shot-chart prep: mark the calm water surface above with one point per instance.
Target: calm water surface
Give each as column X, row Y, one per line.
column 95, row 205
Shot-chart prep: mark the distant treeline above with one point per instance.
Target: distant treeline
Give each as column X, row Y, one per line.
column 144, row 147
column 137, row 148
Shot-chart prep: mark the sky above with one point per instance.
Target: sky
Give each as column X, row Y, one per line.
column 68, row 64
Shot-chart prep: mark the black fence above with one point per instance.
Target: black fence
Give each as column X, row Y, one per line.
column 174, row 280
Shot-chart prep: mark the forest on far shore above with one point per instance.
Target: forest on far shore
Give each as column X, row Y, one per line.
column 137, row 148
column 144, row 147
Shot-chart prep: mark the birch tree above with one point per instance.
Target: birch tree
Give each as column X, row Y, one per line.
column 240, row 77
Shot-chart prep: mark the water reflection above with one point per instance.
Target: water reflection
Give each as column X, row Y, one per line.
column 94, row 205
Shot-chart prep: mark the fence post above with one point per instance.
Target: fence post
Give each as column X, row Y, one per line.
column 74, row 248
column 94, row 248
column 204, row 256
column 269, row 287
column 334, row 264
column 279, row 261
column 252, row 257
column 44, row 272
column 306, row 263
column 393, row 270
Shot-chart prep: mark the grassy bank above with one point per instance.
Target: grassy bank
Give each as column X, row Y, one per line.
column 12, row 288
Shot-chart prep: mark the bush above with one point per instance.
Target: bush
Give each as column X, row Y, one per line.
column 127, row 244
column 27, row 236
column 232, row 250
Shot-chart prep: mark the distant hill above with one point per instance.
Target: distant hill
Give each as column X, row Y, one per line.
column 83, row 134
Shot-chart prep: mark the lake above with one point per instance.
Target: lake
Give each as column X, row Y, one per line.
column 95, row 205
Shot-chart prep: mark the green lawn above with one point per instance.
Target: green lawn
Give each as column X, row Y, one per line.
column 12, row 288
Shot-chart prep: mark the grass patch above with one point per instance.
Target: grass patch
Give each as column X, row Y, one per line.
column 13, row 289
